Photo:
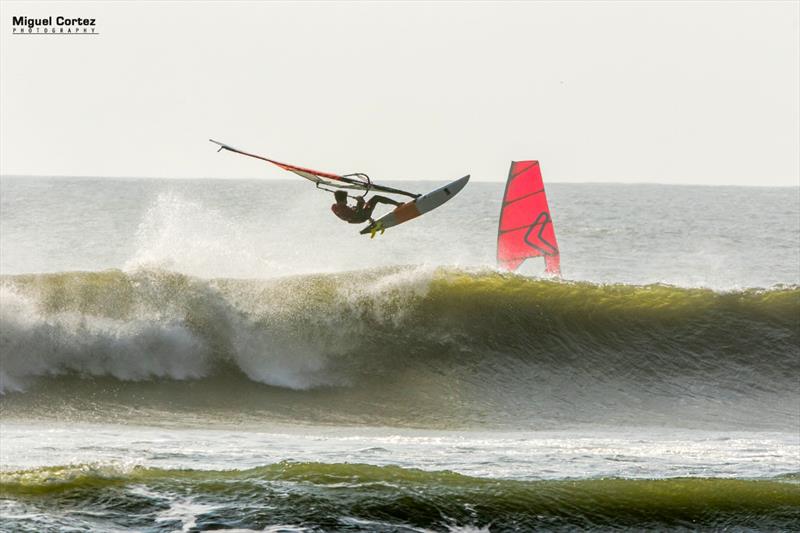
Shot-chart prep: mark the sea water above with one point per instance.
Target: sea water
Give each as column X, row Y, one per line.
column 182, row 355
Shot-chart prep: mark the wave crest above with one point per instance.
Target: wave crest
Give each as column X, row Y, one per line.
column 420, row 339
column 312, row 330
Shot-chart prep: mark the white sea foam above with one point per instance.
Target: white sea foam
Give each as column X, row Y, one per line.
column 152, row 324
column 37, row 344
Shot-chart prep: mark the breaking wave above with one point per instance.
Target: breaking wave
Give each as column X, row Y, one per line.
column 480, row 345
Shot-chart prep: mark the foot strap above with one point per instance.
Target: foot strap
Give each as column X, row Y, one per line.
column 377, row 226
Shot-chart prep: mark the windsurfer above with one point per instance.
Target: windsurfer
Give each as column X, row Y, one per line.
column 362, row 211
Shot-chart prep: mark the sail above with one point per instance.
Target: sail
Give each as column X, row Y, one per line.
column 316, row 176
column 357, row 181
column 526, row 226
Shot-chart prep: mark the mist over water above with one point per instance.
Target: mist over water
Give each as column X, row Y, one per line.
column 150, row 315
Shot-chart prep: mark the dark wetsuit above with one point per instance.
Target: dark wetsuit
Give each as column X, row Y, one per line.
column 362, row 211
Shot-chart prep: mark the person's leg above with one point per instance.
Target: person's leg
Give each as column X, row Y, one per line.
column 369, row 207
column 378, row 199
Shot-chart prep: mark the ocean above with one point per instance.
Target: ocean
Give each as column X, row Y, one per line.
column 201, row 355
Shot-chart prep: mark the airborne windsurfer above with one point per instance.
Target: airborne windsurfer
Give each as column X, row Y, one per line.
column 362, row 211
column 358, row 181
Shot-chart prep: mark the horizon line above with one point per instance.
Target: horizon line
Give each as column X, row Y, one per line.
column 474, row 179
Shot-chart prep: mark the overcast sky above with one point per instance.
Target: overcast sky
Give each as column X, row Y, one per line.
column 656, row 92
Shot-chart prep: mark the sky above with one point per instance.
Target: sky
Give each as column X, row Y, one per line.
column 651, row 92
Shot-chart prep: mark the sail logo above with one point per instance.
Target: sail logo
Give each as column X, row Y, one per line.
column 59, row 25
column 537, row 240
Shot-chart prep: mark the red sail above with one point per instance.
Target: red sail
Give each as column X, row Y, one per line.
column 526, row 227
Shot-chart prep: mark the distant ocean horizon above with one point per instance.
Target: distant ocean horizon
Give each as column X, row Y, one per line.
column 396, row 181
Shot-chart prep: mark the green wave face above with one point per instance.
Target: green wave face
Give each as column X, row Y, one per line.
column 401, row 346
column 376, row 498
